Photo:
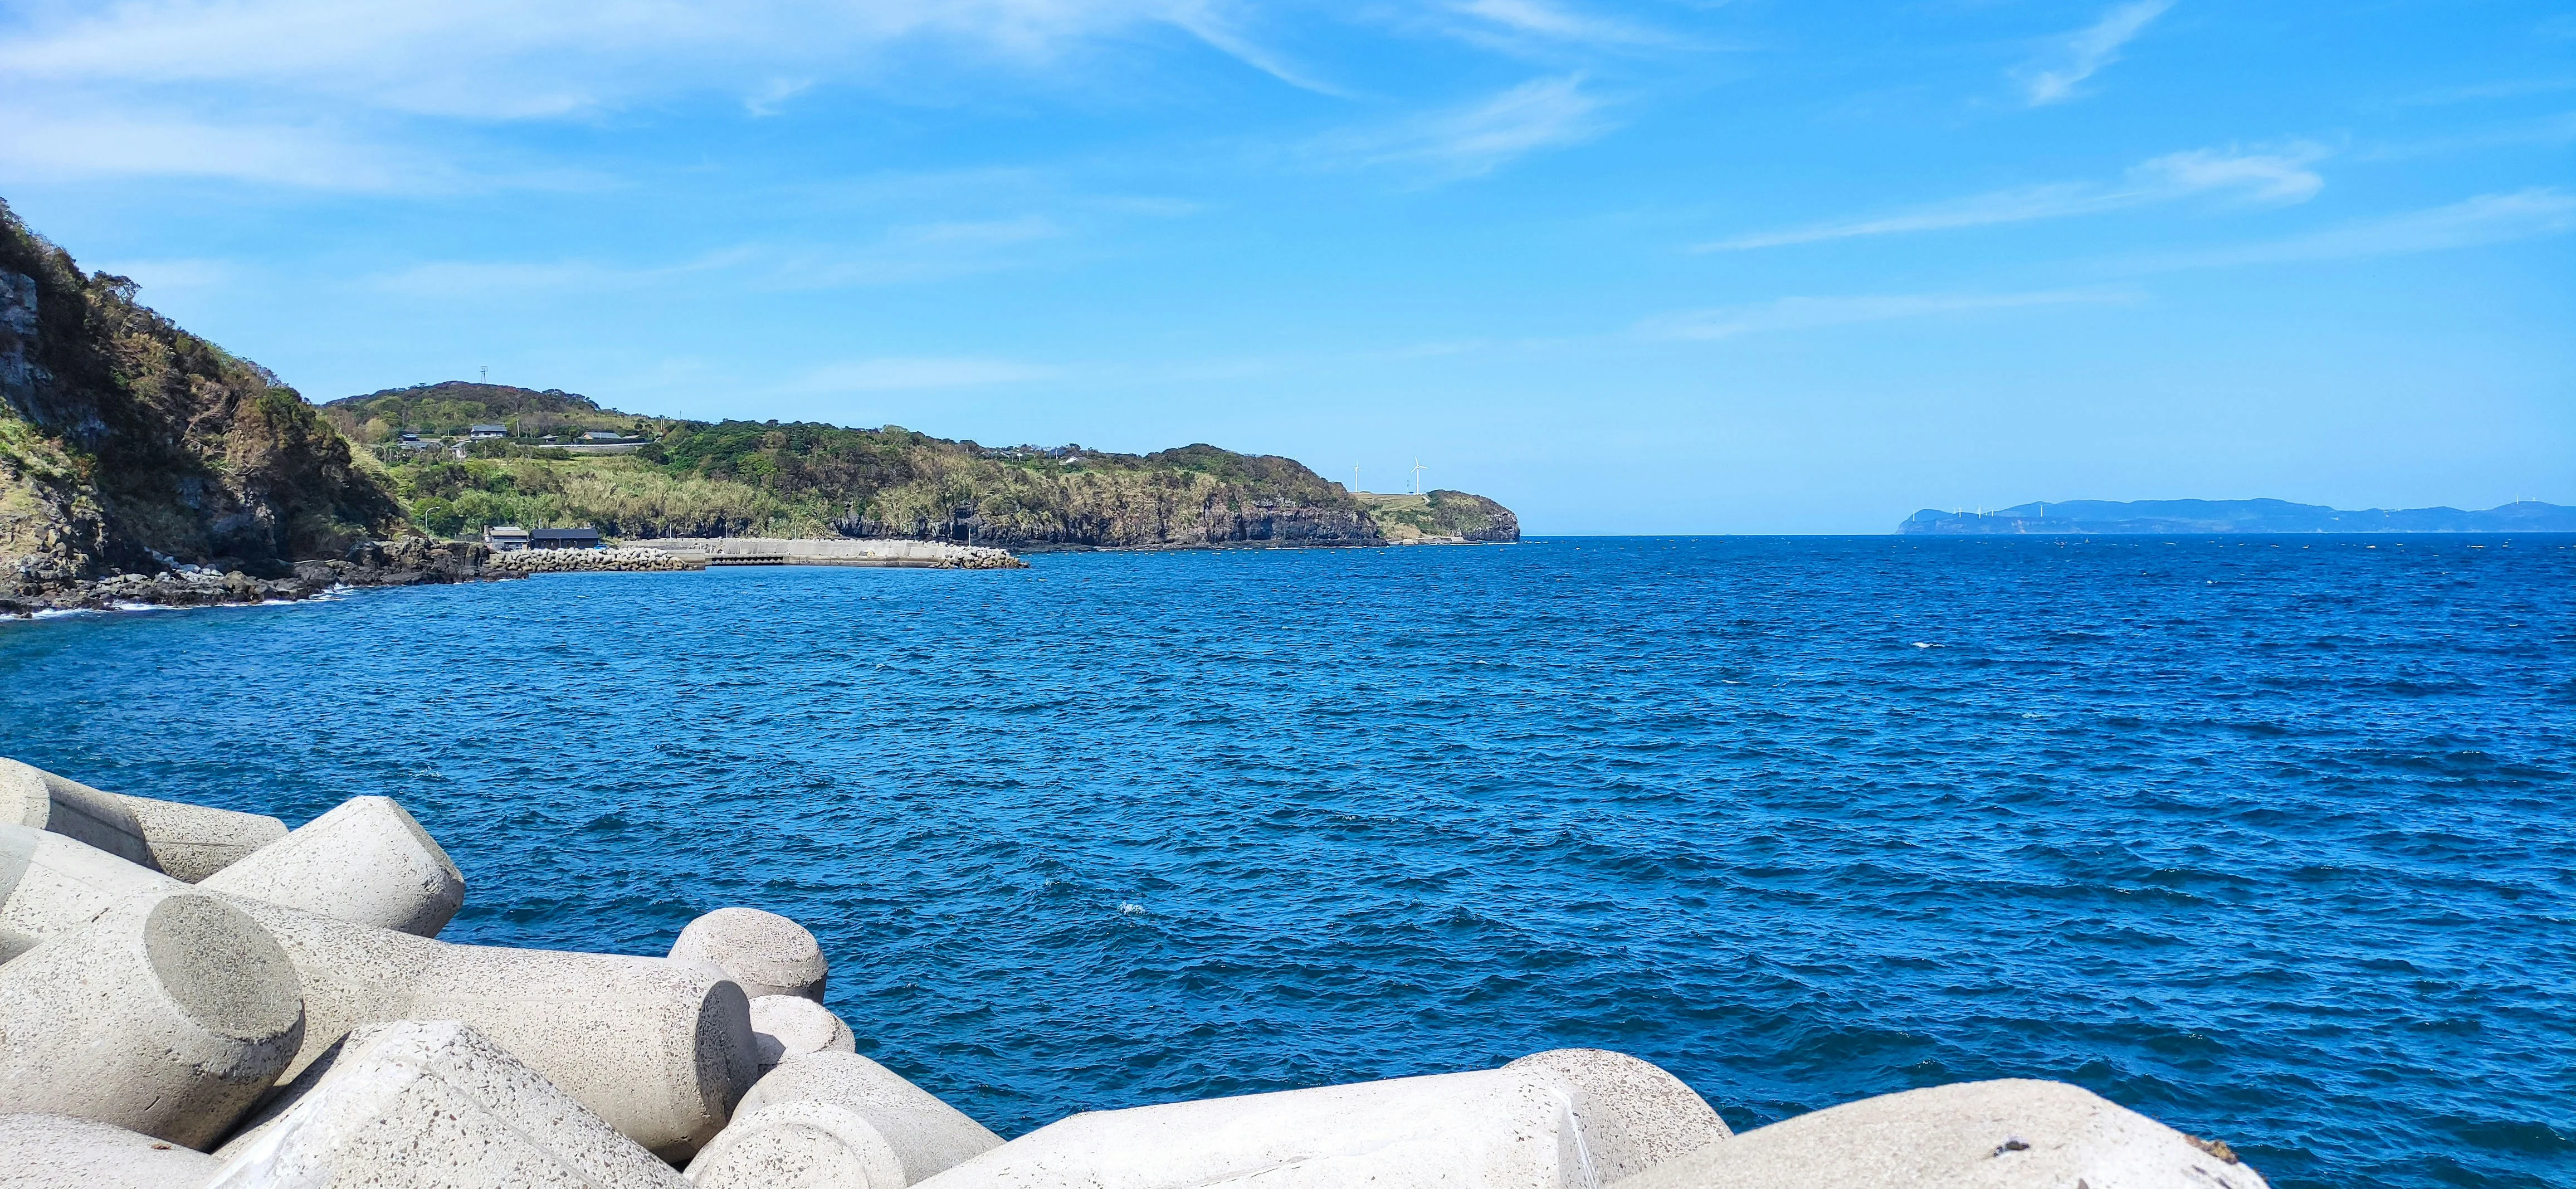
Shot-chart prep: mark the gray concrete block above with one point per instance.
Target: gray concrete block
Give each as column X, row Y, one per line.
column 927, row 1135
column 1494, row 1129
column 61, row 1152
column 366, row 862
column 1974, row 1135
column 765, row 952
column 785, row 1026
column 51, row 884
column 799, row 1144
column 436, row 1105
column 1634, row 1115
column 33, row 797
column 662, row 1050
column 191, row 842
column 168, row 1015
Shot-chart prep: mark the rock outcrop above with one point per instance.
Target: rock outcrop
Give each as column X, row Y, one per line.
column 128, row 445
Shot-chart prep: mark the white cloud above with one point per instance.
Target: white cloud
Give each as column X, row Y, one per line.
column 2272, row 178
column 2485, row 219
column 1807, row 313
column 2259, row 177
column 505, row 59
column 298, row 92
column 1520, row 20
column 1479, row 138
column 914, row 373
column 903, row 254
column 43, row 141
column 2054, row 77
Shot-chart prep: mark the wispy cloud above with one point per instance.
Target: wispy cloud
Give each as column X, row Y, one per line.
column 322, row 93
column 901, row 255
column 914, row 373
column 1513, row 24
column 1480, row 137
column 2054, row 76
column 2269, row 178
column 43, row 140
column 1207, row 23
column 2485, row 219
column 1808, row 313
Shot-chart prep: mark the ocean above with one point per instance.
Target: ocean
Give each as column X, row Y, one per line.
column 2266, row 837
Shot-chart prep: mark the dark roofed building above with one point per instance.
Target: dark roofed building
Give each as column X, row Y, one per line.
column 563, row 538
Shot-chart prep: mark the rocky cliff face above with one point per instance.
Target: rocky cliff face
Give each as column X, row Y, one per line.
column 130, row 445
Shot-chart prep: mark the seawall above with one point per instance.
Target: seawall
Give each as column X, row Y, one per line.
column 820, row 551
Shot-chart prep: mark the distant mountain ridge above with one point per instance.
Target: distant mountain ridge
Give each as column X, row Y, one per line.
column 2111, row 518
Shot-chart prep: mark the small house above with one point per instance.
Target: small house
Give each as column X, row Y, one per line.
column 506, row 538
column 484, row 433
column 563, row 538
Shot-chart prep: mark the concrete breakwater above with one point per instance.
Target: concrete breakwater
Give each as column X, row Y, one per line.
column 567, row 561
column 824, row 551
column 194, row 998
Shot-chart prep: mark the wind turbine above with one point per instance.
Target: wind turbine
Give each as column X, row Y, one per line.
column 1418, row 468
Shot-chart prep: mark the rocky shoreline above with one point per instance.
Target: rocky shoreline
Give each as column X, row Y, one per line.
column 195, row 998
column 418, row 561
column 412, row 561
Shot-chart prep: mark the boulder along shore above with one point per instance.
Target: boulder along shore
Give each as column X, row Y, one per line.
column 412, row 561
column 196, row 998
column 415, row 561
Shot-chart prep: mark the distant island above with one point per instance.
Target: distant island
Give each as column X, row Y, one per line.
column 2110, row 518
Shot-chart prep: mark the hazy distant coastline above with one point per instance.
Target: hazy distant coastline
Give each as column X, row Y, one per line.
column 2112, row 518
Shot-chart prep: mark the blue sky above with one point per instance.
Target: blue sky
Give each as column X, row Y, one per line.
column 1643, row 267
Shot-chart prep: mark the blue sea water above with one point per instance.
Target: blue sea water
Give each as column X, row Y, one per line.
column 2266, row 837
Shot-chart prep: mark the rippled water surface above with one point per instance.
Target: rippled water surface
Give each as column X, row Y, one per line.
column 2267, row 837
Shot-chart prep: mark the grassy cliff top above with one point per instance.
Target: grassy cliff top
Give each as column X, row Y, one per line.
column 456, row 405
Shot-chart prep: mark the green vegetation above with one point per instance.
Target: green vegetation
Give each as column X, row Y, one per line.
column 1441, row 514
column 450, row 409
column 123, row 436
column 744, row 478
column 125, row 440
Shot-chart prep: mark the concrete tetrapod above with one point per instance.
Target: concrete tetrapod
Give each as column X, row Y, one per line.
column 765, row 952
column 799, row 1145
column 168, row 1015
column 660, row 1049
column 1634, row 1115
column 61, row 1152
column 33, row 797
column 2012, row 1134
column 785, row 1026
column 366, row 862
column 927, row 1135
column 1493, row 1129
column 191, row 842
column 51, row 885
column 436, row 1105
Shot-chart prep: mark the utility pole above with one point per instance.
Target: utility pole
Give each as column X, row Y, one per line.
column 1418, row 468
